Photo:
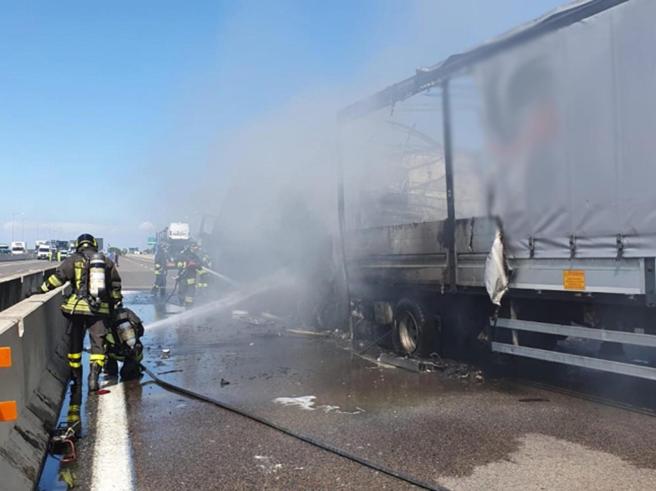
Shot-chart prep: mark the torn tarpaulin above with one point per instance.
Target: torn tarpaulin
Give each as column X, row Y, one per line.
column 496, row 271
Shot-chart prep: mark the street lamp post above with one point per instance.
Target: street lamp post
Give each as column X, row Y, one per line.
column 13, row 223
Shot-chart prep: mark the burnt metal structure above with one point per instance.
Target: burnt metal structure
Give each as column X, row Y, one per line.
column 570, row 284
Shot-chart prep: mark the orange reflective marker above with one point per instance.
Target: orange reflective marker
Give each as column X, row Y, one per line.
column 8, row 411
column 5, row 357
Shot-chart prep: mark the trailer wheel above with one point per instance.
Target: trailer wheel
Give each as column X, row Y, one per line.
column 414, row 332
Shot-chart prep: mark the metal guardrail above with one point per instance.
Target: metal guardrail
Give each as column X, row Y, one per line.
column 620, row 337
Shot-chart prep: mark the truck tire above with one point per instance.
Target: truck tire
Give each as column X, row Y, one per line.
column 414, row 332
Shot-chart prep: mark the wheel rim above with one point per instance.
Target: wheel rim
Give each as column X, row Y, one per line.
column 408, row 332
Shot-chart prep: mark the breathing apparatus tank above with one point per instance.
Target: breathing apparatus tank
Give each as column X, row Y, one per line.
column 125, row 328
column 97, row 276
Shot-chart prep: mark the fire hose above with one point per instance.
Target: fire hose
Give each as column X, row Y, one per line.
column 299, row 436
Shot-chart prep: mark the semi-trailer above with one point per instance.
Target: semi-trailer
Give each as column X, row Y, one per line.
column 505, row 194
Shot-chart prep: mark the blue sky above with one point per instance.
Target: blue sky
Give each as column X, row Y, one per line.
column 110, row 109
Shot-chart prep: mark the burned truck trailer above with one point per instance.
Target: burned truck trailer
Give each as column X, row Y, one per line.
column 506, row 193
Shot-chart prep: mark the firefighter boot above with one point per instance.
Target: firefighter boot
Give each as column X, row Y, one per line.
column 130, row 370
column 111, row 367
column 94, row 374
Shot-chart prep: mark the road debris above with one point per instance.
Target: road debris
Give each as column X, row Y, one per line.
column 450, row 368
column 303, row 332
column 261, row 320
column 267, row 464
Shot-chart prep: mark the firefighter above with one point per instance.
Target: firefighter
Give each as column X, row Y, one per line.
column 123, row 344
column 202, row 275
column 188, row 265
column 96, row 292
column 161, row 269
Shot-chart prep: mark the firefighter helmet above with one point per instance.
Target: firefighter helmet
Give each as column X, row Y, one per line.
column 86, row 239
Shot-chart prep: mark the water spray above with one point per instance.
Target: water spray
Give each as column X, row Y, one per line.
column 228, row 280
column 230, row 300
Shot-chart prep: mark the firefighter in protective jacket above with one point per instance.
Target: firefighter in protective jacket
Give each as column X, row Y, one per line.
column 202, row 274
column 96, row 287
column 188, row 266
column 161, row 269
column 123, row 343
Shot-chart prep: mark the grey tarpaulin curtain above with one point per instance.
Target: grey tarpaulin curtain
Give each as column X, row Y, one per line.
column 570, row 124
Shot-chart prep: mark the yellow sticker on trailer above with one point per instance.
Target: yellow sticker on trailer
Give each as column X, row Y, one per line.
column 574, row 279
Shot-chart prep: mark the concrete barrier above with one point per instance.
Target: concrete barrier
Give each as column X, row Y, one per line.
column 14, row 288
column 17, row 257
column 35, row 332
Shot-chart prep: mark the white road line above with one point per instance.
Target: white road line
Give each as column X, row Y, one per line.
column 112, row 455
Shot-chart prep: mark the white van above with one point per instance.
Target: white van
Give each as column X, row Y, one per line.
column 18, row 247
column 43, row 252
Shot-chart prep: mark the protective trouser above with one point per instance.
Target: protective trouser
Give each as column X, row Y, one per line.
column 187, row 287
column 97, row 329
column 202, row 283
column 73, row 414
column 160, row 277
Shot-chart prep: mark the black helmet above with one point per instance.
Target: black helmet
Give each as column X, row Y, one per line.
column 87, row 239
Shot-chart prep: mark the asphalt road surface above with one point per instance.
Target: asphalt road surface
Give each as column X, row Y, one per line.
column 449, row 428
column 138, row 273
column 11, row 268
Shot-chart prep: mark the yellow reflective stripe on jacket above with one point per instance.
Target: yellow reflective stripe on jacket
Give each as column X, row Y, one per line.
column 44, row 287
column 54, row 281
column 191, row 281
column 74, row 356
column 78, row 268
column 75, row 305
column 109, row 338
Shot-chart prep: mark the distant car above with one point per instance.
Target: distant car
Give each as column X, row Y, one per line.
column 43, row 252
column 62, row 254
column 4, row 249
